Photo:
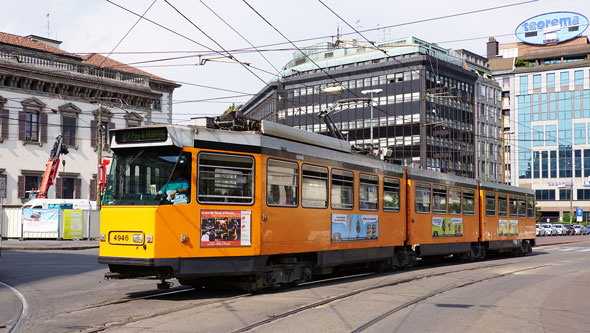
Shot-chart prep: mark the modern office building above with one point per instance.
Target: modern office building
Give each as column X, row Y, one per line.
column 423, row 99
column 546, row 93
column 46, row 91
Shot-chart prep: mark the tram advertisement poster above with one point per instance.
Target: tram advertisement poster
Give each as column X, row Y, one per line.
column 354, row 227
column 225, row 228
column 507, row 227
column 40, row 220
column 73, row 223
column 447, row 226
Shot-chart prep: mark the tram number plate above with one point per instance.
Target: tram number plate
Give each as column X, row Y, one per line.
column 123, row 238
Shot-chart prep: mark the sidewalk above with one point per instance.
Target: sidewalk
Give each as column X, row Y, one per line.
column 47, row 244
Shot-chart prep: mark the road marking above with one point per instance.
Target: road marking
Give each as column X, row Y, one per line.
column 25, row 307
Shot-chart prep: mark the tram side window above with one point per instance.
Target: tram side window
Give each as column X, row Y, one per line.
column 521, row 207
column 226, row 178
column 530, row 208
column 468, row 202
column 439, row 198
column 490, row 204
column 502, row 205
column 454, row 200
column 282, row 183
column 422, row 198
column 342, row 189
column 314, row 186
column 368, row 192
column 513, row 206
column 390, row 194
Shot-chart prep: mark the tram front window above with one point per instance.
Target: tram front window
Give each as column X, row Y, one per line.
column 148, row 177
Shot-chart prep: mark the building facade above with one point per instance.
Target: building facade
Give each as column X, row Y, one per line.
column 422, row 100
column 46, row 92
column 546, row 89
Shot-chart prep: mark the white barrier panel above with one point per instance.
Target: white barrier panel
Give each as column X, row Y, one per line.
column 11, row 222
column 93, row 229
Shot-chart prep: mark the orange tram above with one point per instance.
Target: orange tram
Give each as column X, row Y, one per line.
column 270, row 205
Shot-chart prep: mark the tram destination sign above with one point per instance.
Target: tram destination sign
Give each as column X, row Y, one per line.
column 551, row 28
column 135, row 135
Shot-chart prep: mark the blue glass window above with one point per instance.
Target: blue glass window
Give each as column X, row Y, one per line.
column 564, row 79
column 550, row 135
column 586, row 97
column 538, row 140
column 551, row 80
column 543, row 106
column 577, row 104
column 578, row 160
column 537, row 81
column 552, row 106
column 579, row 78
column 565, row 162
column 535, row 106
column 586, row 162
column 580, row 133
column 536, row 164
column 553, row 163
column 524, row 85
column 544, row 164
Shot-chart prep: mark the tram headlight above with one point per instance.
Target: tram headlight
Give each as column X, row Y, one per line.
column 149, row 238
column 102, row 237
column 137, row 238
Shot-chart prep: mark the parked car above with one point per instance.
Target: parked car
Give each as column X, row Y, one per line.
column 580, row 230
column 540, row 230
column 588, row 229
column 549, row 229
column 561, row 229
column 567, row 228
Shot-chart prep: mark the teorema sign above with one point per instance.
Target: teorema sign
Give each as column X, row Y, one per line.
column 553, row 27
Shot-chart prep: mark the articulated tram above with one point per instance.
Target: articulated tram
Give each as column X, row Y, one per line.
column 275, row 205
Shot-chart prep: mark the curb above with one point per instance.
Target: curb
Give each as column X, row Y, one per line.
column 47, row 248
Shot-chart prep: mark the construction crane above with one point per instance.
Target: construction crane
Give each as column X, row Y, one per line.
column 59, row 148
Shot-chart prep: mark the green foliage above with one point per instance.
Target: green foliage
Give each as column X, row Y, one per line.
column 518, row 62
column 566, row 218
column 538, row 214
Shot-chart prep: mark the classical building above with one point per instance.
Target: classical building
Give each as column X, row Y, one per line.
column 546, row 93
column 423, row 99
column 46, row 92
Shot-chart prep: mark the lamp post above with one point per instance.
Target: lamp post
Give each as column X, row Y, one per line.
column 371, row 92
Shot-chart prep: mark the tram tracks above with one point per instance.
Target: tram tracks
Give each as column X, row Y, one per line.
column 24, row 307
column 390, row 312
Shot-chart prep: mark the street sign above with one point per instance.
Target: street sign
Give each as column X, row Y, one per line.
column 579, row 212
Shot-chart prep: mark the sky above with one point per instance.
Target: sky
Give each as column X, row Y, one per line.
column 100, row 26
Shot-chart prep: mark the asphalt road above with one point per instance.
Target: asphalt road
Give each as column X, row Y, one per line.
column 547, row 291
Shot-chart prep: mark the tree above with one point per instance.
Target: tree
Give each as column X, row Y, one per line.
column 538, row 214
column 566, row 217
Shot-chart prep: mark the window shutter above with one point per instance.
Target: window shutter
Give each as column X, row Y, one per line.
column 58, row 187
column 21, row 187
column 21, row 127
column 43, row 121
column 4, row 124
column 77, row 188
column 93, row 189
column 93, row 133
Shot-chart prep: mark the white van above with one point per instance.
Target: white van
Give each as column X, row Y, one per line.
column 82, row 204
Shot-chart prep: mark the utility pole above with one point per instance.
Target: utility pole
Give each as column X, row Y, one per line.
column 99, row 153
column 502, row 131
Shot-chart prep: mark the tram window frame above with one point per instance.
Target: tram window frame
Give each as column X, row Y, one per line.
column 371, row 181
column 294, row 187
column 513, row 203
column 530, row 204
column 502, row 203
column 452, row 199
column 520, row 207
column 468, row 195
column 227, row 196
column 314, row 175
column 339, row 183
column 439, row 199
column 490, row 203
column 391, row 185
column 419, row 205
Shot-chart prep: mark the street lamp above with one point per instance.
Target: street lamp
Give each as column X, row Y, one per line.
column 371, row 92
